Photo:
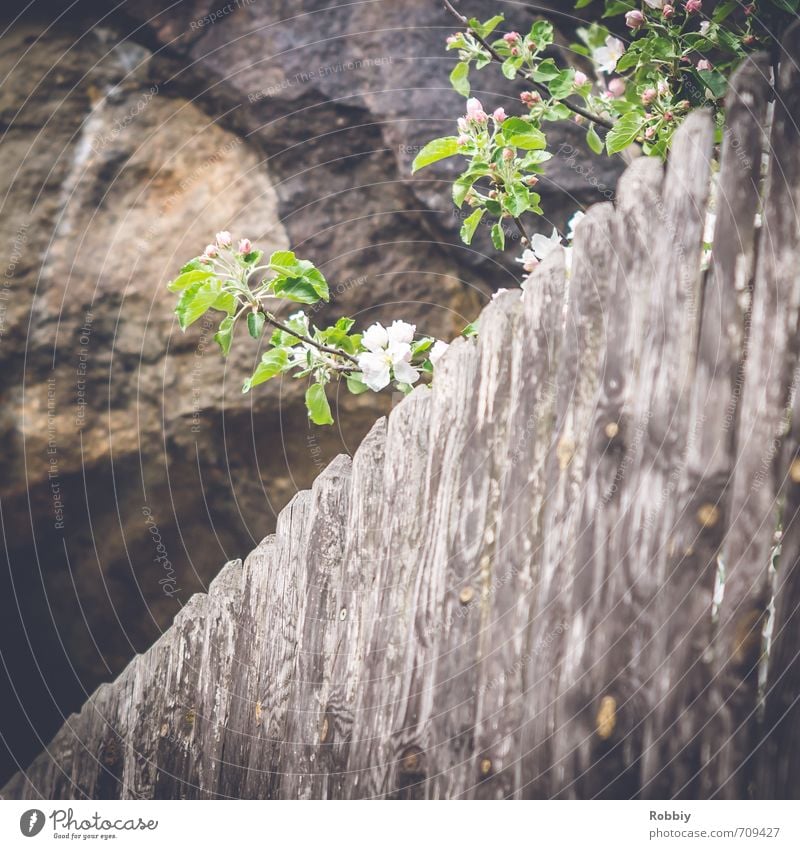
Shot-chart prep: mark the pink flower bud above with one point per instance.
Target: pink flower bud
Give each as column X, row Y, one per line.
column 245, row 246
column 224, row 239
column 463, row 125
column 634, row 19
column 748, row 10
column 515, row 51
column 663, row 88
column 580, row 78
column 508, row 154
column 693, row 6
column 668, row 11
column 704, row 65
column 511, row 37
column 616, row 87
column 462, row 140
column 649, row 132
column 451, row 39
column 532, row 180
column 668, row 116
column 530, row 97
column 499, row 115
column 648, row 96
column 210, row 251
column 475, row 111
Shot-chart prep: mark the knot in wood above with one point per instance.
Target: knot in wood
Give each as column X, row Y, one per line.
column 611, row 430
column 606, row 717
column 411, row 761
column 485, row 766
column 794, row 470
column 466, row 595
column 708, row 515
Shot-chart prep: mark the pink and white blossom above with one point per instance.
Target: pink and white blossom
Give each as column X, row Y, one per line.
column 634, row 19
column 499, row 115
column 245, row 246
column 475, row 111
column 648, row 96
column 528, row 260
column 704, row 65
column 616, row 87
column 606, row 58
column 693, row 6
column 511, row 37
column 580, row 78
column 224, row 239
column 210, row 251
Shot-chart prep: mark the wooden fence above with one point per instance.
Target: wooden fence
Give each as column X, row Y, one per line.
column 550, row 575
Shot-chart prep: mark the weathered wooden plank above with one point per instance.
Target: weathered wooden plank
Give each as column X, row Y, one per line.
column 387, row 756
column 501, row 707
column 318, row 633
column 601, row 594
column 468, row 550
column 662, row 398
column 251, row 636
column 356, row 604
column 764, row 417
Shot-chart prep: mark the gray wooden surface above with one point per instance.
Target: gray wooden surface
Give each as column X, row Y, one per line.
column 550, row 574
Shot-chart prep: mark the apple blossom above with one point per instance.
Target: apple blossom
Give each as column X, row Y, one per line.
column 475, row 111
column 528, row 260
column 580, row 78
column 693, row 6
column 704, row 65
column 668, row 11
column 224, row 239
column 245, row 246
column 616, row 87
column 544, row 245
column 634, row 19
column 648, row 96
column 387, row 356
column 512, row 37
column 606, row 58
column 499, row 115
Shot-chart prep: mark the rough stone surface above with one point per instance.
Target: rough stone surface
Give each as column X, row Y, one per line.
column 126, row 142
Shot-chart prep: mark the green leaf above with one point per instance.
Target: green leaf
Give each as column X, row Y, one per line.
column 510, row 66
column 624, row 132
column 253, row 257
column 617, row 7
column 195, row 301
column 459, row 78
column 285, row 262
column 319, row 410
column 470, row 330
column 487, row 27
column 296, row 289
column 355, row 384
column 225, row 303
column 715, row 82
column 546, row 70
column 193, row 265
column 273, row 362
column 530, row 139
column 541, row 34
column 186, row 278
column 582, row 3
column 498, row 236
column 224, row 336
column 255, row 324
column 593, row 140
column 434, row 151
column 469, row 225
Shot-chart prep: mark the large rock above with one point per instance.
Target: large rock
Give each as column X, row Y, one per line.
column 133, row 463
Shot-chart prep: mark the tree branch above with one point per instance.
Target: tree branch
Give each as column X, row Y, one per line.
column 542, row 89
column 270, row 318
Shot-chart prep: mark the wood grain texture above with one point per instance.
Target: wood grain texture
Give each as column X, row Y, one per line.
column 509, row 590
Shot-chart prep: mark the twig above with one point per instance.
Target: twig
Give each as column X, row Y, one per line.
column 573, row 107
column 307, row 339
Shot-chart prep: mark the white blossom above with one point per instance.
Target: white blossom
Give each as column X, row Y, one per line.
column 542, row 245
column 606, row 58
column 387, row 355
column 528, row 260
